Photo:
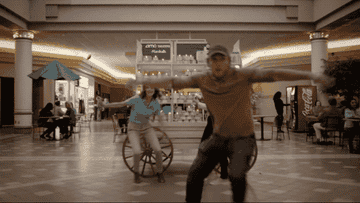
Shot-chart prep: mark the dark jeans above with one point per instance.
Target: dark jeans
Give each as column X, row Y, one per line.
column 211, row 151
column 207, row 133
column 311, row 128
column 63, row 125
column 125, row 122
column 279, row 120
column 351, row 133
column 50, row 128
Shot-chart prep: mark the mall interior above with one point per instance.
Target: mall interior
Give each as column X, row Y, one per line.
column 106, row 43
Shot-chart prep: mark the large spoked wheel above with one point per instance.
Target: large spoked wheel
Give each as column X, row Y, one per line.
column 251, row 161
column 147, row 167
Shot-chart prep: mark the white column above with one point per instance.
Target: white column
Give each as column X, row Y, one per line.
column 318, row 55
column 23, row 84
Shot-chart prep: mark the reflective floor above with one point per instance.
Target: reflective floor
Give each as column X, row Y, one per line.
column 90, row 167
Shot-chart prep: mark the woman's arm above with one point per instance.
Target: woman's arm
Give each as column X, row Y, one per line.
column 114, row 104
column 117, row 104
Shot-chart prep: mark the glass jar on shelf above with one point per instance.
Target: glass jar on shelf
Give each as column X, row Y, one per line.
column 147, row 58
column 179, row 59
column 191, row 59
column 139, row 74
column 187, row 59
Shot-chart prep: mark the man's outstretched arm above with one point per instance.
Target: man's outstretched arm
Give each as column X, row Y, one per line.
column 273, row 75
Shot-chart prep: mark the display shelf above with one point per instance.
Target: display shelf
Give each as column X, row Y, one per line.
column 154, row 63
column 154, row 48
column 190, row 64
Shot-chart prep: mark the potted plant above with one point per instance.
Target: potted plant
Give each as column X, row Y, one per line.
column 347, row 80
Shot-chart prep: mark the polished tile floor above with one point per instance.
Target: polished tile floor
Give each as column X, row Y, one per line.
column 90, row 167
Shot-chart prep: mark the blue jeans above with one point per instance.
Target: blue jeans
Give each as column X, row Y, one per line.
column 211, row 151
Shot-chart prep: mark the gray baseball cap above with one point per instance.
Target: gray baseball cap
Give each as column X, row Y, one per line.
column 218, row 49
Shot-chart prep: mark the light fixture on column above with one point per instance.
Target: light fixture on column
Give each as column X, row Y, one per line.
column 318, row 35
column 23, row 34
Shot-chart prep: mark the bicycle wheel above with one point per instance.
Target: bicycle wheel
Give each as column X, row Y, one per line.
column 147, row 156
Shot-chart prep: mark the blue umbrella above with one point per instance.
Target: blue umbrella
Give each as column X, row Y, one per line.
column 54, row 70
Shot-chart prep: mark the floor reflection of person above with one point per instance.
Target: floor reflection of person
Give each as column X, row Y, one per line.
column 142, row 108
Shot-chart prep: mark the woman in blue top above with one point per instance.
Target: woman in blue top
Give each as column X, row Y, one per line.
column 143, row 106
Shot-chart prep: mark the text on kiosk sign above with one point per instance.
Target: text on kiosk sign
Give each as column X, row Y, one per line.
column 154, row 46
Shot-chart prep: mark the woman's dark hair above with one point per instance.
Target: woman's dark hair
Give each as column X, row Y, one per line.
column 57, row 103
column 349, row 103
column 332, row 102
column 155, row 95
column 277, row 95
column 49, row 106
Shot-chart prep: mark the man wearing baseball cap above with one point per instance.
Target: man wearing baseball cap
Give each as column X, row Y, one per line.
column 226, row 92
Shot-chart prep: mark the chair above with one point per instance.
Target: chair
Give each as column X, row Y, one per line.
column 310, row 132
column 117, row 129
column 78, row 124
column 278, row 134
column 36, row 129
column 333, row 124
column 123, row 117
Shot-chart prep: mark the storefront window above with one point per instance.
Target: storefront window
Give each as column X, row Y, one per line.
column 62, row 93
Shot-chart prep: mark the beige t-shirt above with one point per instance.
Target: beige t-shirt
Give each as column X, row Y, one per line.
column 228, row 101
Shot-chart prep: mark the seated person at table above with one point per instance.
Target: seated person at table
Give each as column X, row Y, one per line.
column 72, row 106
column 46, row 122
column 351, row 127
column 315, row 112
column 60, row 122
column 57, row 109
column 317, row 108
column 69, row 121
column 332, row 111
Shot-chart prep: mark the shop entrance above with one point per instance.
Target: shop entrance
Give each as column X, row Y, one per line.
column 6, row 101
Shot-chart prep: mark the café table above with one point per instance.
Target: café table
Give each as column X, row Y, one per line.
column 55, row 118
column 262, row 125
